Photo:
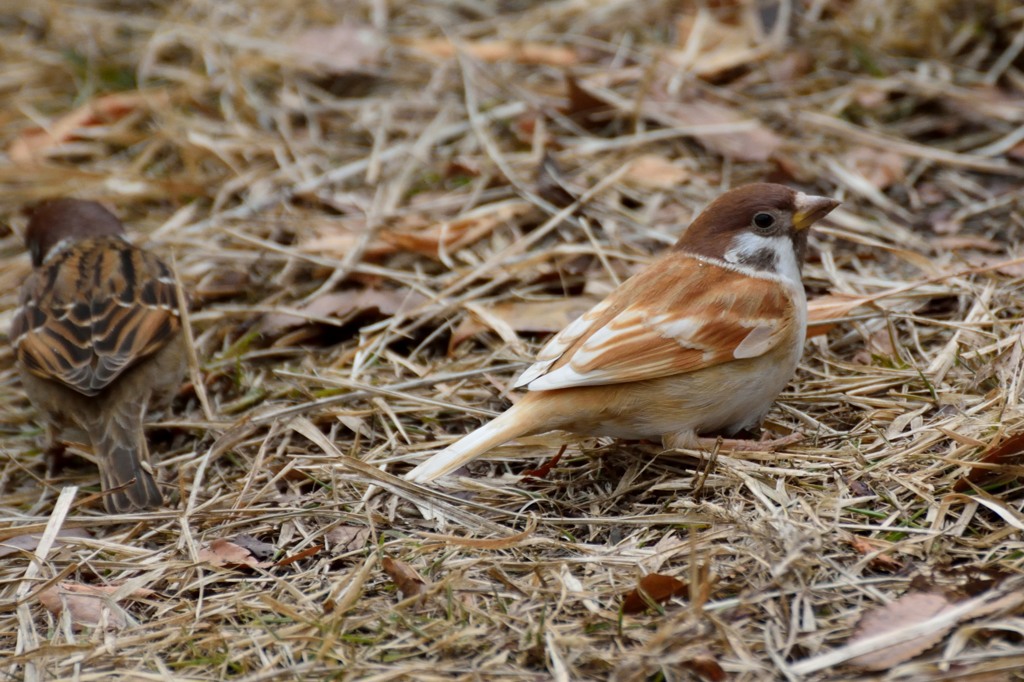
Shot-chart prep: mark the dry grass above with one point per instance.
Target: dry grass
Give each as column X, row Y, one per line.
column 275, row 183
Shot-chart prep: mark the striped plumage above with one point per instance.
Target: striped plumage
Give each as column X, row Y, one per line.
column 97, row 339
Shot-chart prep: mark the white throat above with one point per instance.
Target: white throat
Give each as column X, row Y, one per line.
column 765, row 254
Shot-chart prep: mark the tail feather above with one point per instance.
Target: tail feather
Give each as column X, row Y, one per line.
column 121, row 447
column 513, row 423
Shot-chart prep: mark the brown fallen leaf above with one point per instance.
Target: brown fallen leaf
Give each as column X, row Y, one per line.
column 822, row 310
column 751, row 141
column 337, row 238
column 998, row 458
column 496, row 51
column 226, row 554
column 715, row 47
column 917, row 621
column 220, row 284
column 882, row 560
column 706, row 666
column 337, row 307
column 982, row 102
column 653, row 587
column 405, row 577
column 655, row 172
column 1013, row 267
column 907, row 611
column 28, row 543
column 299, row 556
column 348, row 538
column 259, row 549
column 583, row 106
column 535, row 317
column 882, row 169
column 34, row 144
column 343, row 48
column 428, row 238
column 89, row 605
column 416, row 233
column 967, row 241
column 879, row 343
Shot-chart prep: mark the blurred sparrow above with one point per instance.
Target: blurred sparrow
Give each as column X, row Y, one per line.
column 700, row 341
column 97, row 339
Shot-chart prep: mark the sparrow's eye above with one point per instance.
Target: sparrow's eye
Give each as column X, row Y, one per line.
column 763, row 221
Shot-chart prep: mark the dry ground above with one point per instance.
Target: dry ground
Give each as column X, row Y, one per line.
column 384, row 191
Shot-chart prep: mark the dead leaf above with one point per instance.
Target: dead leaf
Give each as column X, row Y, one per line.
column 89, row 605
column 982, row 102
column 535, row 317
column 405, row 577
column 583, row 106
column 711, row 47
column 226, row 554
column 415, row 233
column 907, row 611
column 337, row 238
column 1013, row 267
column 347, row 47
column 28, row 543
column 790, row 66
column 882, row 169
column 878, row 344
column 304, row 554
column 337, row 307
column 657, row 588
column 967, row 241
column 220, row 284
column 1008, row 453
column 821, row 310
column 348, row 538
column 751, row 141
column 707, row 666
column 259, row 549
column 496, row 51
column 656, row 172
column 428, row 238
column 858, row 487
column 882, row 560
column 34, row 144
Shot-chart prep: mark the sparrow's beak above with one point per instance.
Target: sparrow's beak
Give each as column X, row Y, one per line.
column 810, row 209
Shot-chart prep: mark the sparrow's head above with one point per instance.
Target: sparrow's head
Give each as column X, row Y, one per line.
column 761, row 226
column 62, row 220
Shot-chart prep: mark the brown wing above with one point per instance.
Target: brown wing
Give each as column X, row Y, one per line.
column 93, row 310
column 679, row 315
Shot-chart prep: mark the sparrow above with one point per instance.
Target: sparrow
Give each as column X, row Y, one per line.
column 700, row 341
column 97, row 339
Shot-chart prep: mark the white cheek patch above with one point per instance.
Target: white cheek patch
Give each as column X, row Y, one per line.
column 748, row 249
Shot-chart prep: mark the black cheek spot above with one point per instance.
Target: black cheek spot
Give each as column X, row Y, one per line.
column 764, row 259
